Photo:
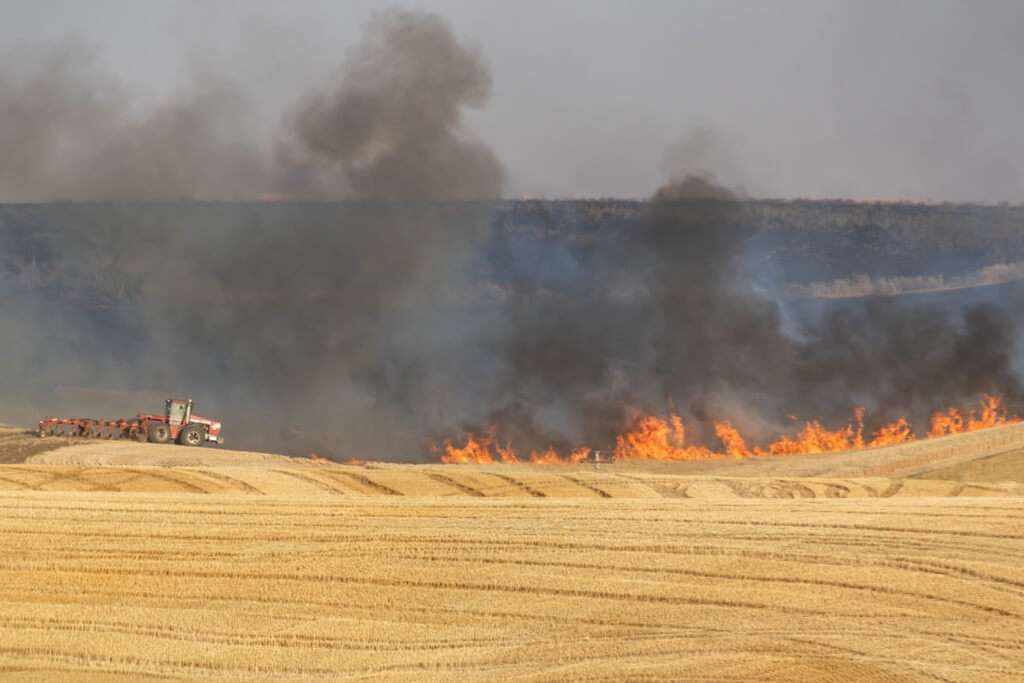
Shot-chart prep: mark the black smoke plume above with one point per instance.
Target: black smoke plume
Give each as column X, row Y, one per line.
column 668, row 322
column 392, row 127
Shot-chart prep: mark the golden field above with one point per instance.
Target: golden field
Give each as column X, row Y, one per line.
column 160, row 562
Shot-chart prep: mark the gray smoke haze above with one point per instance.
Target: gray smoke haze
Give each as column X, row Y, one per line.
column 832, row 98
column 309, row 324
column 388, row 126
column 69, row 131
column 333, row 328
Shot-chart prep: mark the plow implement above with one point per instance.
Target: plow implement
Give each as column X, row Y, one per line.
column 177, row 423
column 94, row 429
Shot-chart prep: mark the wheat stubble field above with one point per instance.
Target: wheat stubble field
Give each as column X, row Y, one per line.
column 155, row 563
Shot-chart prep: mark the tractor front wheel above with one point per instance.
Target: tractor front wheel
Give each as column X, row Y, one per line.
column 191, row 435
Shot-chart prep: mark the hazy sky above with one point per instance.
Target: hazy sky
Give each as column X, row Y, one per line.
column 607, row 98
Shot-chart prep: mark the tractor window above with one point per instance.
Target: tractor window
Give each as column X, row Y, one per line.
column 176, row 412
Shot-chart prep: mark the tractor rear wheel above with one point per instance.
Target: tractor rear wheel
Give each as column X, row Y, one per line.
column 159, row 432
column 191, row 435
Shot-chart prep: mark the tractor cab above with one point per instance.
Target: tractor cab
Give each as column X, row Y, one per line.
column 179, row 412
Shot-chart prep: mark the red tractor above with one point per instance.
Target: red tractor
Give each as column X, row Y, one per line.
column 178, row 423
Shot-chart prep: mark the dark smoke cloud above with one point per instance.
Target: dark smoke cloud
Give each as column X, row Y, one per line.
column 392, row 127
column 670, row 323
column 908, row 358
column 665, row 320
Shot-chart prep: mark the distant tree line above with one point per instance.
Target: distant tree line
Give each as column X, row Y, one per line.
column 85, row 249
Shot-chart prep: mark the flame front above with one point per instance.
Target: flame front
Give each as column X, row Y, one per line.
column 483, row 449
column 735, row 445
column 549, row 456
column 993, row 414
column 580, row 454
column 893, row 433
column 654, row 438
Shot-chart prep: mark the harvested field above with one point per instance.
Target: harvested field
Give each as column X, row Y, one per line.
column 181, row 585
column 910, row 459
column 1006, row 466
column 300, row 478
column 145, row 562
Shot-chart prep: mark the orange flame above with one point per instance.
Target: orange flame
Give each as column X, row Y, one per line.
column 654, row 438
column 735, row 445
column 482, row 449
column 950, row 422
column 993, row 414
column 316, row 458
column 814, row 438
column 486, row 450
column 580, row 454
column 892, row 433
column 546, row 457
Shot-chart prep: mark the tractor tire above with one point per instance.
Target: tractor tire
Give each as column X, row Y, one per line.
column 191, row 435
column 158, row 432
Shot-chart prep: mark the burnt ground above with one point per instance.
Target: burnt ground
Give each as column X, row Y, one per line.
column 17, row 445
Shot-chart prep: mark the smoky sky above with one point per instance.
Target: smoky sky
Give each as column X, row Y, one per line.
column 370, row 326
column 67, row 132
column 822, row 99
column 387, row 124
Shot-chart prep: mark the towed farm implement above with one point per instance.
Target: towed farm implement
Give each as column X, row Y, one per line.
column 177, row 424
